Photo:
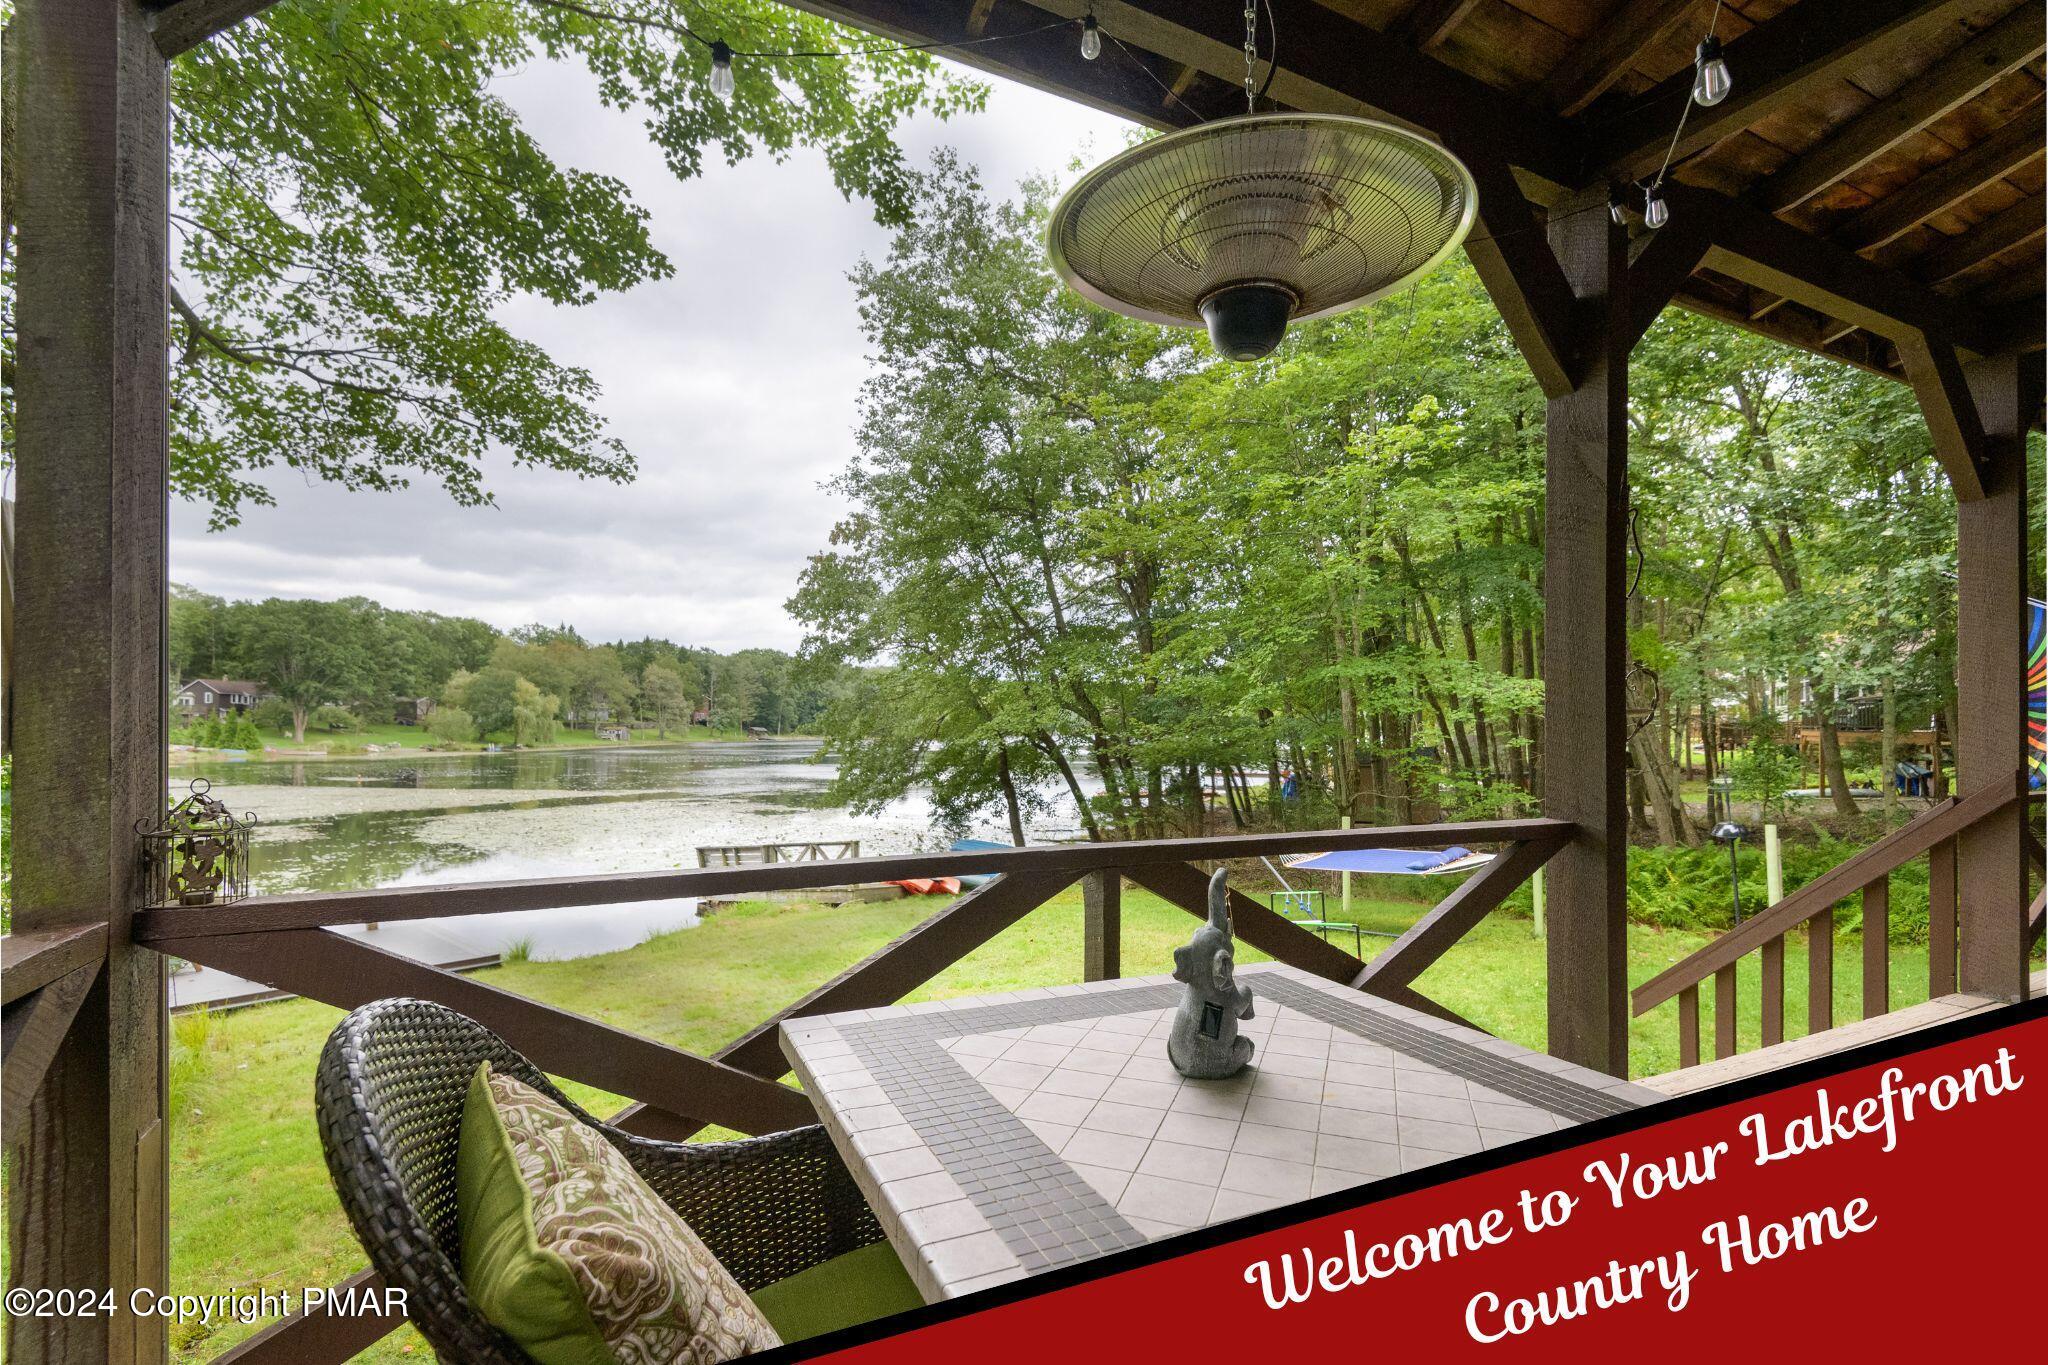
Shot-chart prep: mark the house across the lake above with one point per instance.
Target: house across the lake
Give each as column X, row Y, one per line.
column 215, row 697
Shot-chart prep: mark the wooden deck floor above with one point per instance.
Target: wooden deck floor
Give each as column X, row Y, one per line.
column 1747, row 1064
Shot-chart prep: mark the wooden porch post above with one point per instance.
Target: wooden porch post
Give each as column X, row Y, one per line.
column 1991, row 738
column 1584, row 650
column 93, row 147
column 1102, row 926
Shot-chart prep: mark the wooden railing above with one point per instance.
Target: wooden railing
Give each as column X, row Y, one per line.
column 1811, row 910
column 288, row 942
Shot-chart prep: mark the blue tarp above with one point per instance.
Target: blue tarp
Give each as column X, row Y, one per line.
column 1401, row 862
column 975, row 879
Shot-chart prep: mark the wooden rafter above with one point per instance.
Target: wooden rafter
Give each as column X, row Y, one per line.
column 1663, row 262
column 1428, row 22
column 1515, row 264
column 185, row 24
column 1936, row 373
column 1957, row 77
column 977, row 18
column 2000, row 232
column 1780, row 62
column 2013, row 145
column 1609, row 51
column 1791, row 326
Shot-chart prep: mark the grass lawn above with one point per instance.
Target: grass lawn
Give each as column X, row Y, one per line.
column 250, row 1201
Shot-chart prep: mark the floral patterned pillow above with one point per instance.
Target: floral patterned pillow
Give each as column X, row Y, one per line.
column 567, row 1250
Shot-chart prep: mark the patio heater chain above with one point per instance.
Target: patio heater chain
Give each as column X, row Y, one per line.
column 1251, row 55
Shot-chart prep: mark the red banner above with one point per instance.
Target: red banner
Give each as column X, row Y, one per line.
column 1878, row 1212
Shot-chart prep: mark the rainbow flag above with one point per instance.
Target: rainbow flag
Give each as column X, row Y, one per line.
column 2037, row 687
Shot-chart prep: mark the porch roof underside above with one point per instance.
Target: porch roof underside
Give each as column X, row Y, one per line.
column 1876, row 174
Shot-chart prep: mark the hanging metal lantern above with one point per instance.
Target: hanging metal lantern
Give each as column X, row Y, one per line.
column 199, row 854
column 1246, row 225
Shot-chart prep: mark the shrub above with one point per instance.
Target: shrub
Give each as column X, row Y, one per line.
column 450, row 725
column 237, row 732
column 272, row 713
column 335, row 719
column 1766, row 769
column 1687, row 888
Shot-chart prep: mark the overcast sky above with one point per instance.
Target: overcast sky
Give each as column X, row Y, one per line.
column 734, row 383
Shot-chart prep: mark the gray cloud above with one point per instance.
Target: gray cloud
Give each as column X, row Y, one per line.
column 734, row 383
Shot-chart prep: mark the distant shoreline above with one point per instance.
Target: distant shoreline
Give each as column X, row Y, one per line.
column 180, row 755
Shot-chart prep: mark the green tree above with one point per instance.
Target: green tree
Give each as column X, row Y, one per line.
column 355, row 202
column 661, row 689
column 309, row 653
column 450, row 725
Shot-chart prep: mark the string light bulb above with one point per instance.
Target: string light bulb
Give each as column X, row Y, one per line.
column 721, row 69
column 1656, row 213
column 1091, row 39
column 1617, row 212
column 1711, row 81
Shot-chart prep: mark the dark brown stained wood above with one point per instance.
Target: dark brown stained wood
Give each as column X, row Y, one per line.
column 1941, row 919
column 31, row 961
column 899, row 966
column 345, row 972
column 2037, row 918
column 1793, row 330
column 260, row 913
column 1609, row 51
column 1662, row 262
column 1877, row 955
column 31, row 1032
column 1102, row 926
column 1456, row 915
column 1271, row 933
column 1758, row 249
column 977, row 18
column 1936, row 374
column 1513, row 259
column 1820, row 972
column 1776, row 63
column 317, row 1338
column 2001, row 232
column 1689, row 1026
column 1772, row 962
column 91, row 152
column 1926, row 833
column 2013, row 145
column 1334, row 64
column 1926, row 97
column 1430, row 22
column 184, row 25
column 1992, row 571
column 1725, row 1013
column 1585, row 654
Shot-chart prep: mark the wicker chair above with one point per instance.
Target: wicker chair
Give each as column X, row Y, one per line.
column 389, row 1102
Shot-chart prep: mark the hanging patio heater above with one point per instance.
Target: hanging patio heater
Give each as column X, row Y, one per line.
column 1248, row 224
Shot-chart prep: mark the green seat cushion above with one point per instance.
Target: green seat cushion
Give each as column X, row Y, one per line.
column 843, row 1292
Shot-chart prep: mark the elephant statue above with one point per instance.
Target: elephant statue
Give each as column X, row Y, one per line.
column 1204, row 1042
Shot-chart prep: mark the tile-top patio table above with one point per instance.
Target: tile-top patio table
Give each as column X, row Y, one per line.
column 1002, row 1135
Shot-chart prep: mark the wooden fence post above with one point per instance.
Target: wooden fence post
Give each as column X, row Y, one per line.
column 92, row 145
column 1102, row 930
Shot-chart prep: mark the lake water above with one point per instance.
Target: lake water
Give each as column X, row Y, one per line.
column 421, row 819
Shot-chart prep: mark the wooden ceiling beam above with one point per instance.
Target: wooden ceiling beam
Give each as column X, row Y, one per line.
column 1793, row 330
column 183, row 25
column 1428, row 22
column 1607, row 54
column 2002, row 48
column 2002, row 231
column 2015, row 143
column 1762, row 250
column 977, row 18
column 1774, row 64
column 1331, row 64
